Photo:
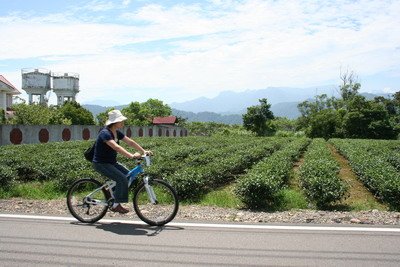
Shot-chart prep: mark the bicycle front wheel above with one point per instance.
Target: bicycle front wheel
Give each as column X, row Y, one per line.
column 87, row 201
column 156, row 205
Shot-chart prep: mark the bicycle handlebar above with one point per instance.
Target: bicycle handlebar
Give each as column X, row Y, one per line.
column 146, row 158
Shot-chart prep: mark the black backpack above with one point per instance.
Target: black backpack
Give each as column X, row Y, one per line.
column 89, row 153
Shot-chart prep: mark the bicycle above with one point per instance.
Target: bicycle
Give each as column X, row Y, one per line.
column 154, row 200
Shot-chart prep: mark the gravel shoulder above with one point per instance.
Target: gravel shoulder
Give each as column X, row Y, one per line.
column 216, row 214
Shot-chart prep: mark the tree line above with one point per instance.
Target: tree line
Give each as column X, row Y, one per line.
column 72, row 113
column 350, row 116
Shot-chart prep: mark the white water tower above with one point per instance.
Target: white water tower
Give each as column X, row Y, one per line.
column 36, row 83
column 65, row 86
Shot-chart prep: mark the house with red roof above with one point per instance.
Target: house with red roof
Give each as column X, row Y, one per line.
column 7, row 91
column 164, row 121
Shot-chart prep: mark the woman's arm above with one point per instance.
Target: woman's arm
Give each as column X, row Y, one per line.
column 122, row 150
column 133, row 144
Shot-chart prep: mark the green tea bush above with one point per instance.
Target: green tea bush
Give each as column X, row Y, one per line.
column 368, row 158
column 260, row 186
column 7, row 177
column 319, row 175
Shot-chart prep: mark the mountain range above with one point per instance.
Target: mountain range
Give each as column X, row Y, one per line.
column 229, row 106
column 229, row 102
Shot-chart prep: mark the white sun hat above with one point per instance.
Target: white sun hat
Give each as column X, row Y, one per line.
column 115, row 116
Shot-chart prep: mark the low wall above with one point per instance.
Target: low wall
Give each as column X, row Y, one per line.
column 34, row 134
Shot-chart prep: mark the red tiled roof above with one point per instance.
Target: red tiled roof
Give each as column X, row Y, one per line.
column 12, row 87
column 164, row 120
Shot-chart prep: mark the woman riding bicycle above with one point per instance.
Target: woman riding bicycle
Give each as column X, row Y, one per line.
column 105, row 157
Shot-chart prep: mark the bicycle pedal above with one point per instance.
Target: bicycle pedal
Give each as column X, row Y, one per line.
column 110, row 202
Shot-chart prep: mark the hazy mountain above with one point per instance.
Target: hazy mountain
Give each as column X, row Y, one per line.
column 208, row 117
column 96, row 109
column 287, row 109
column 235, row 102
column 102, row 102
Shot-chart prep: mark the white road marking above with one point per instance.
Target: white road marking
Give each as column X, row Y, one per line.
column 222, row 225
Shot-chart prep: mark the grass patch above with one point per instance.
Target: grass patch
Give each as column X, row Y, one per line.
column 368, row 204
column 359, row 198
column 33, row 190
column 222, row 197
column 291, row 199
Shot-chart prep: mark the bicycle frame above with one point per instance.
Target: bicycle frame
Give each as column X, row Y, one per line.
column 131, row 176
column 107, row 186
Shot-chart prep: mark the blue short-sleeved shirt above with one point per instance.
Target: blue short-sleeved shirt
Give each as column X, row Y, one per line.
column 103, row 153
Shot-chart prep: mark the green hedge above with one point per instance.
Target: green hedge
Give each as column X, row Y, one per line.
column 260, row 186
column 319, row 175
column 370, row 162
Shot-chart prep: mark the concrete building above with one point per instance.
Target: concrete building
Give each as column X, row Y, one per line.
column 7, row 91
column 38, row 82
column 65, row 86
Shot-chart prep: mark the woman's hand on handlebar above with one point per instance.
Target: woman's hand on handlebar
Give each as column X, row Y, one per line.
column 137, row 155
column 148, row 153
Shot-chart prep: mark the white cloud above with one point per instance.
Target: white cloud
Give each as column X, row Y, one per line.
column 389, row 90
column 126, row 2
column 200, row 49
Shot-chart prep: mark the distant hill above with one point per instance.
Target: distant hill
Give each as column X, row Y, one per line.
column 228, row 107
column 97, row 109
column 286, row 109
column 208, row 117
column 236, row 102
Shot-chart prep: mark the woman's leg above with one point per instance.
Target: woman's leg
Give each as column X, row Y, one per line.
column 115, row 173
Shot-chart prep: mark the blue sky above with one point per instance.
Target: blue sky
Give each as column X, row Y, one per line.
column 179, row 50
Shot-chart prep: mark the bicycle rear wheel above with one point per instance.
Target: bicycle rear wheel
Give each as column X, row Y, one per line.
column 86, row 201
column 165, row 207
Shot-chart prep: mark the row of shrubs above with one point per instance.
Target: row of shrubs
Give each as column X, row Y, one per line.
column 373, row 168
column 212, row 160
column 260, row 186
column 218, row 166
column 319, row 175
column 61, row 163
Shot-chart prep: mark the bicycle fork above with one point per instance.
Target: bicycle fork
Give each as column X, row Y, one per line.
column 150, row 191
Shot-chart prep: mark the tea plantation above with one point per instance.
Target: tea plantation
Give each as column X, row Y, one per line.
column 256, row 169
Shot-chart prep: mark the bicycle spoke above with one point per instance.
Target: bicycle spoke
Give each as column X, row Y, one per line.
column 156, row 205
column 85, row 208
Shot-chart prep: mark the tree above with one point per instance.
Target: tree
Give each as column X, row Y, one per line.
column 350, row 86
column 37, row 115
column 76, row 113
column 392, row 106
column 324, row 124
column 258, row 118
column 320, row 117
column 143, row 113
column 395, row 119
column 103, row 116
column 352, row 116
column 367, row 119
column 2, row 116
column 134, row 114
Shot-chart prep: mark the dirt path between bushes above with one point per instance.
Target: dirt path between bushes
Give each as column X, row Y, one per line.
column 358, row 196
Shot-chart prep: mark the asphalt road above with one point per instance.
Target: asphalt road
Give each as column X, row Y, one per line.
column 63, row 241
